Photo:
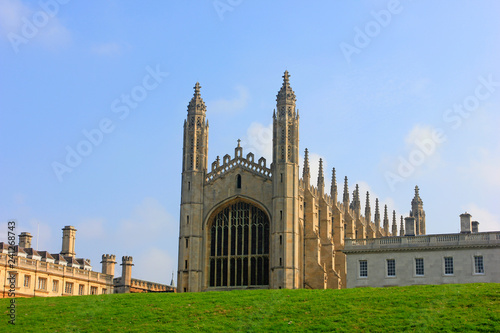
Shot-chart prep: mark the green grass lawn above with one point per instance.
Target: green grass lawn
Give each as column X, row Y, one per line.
column 461, row 308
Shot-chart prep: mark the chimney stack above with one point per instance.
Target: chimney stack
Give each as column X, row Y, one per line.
column 475, row 226
column 108, row 264
column 465, row 224
column 68, row 241
column 25, row 240
column 409, row 226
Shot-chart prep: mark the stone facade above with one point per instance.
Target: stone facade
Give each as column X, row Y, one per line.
column 434, row 259
column 42, row 274
column 247, row 224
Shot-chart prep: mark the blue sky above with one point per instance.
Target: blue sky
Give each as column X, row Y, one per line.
column 392, row 94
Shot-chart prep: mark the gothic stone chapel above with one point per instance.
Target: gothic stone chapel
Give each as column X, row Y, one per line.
column 245, row 224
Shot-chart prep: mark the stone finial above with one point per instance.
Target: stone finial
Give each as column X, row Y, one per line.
column 416, row 198
column 346, row 192
column 394, row 224
column 197, row 105
column 306, row 172
column 402, row 227
column 377, row 216
column 367, row 207
column 386, row 221
column 333, row 189
column 286, row 95
column 321, row 178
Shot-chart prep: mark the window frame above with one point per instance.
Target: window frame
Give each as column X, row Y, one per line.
column 447, row 267
column 475, row 264
column 417, row 274
column 363, row 271
column 387, row 266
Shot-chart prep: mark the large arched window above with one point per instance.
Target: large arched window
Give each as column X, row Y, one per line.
column 239, row 247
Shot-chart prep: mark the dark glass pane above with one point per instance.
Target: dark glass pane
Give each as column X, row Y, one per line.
column 238, row 272
column 219, row 272
column 212, row 241
column 212, row 272
column 253, row 272
column 240, row 240
column 259, row 270
column 226, row 241
column 233, row 240
column 266, row 237
column 245, row 240
column 254, row 239
column 219, row 241
column 260, row 245
column 232, row 272
column 224, row 272
column 245, row 271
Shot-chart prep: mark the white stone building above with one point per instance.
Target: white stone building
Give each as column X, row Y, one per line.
column 466, row 257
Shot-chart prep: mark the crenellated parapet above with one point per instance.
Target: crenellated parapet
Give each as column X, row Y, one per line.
column 247, row 163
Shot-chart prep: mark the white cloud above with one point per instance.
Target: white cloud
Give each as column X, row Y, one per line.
column 259, row 140
column 231, row 105
column 487, row 221
column 107, row 49
column 20, row 23
column 486, row 167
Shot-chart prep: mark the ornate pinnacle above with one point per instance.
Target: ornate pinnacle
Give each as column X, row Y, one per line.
column 386, row 220
column 306, row 171
column 377, row 215
column 333, row 190
column 401, row 227
column 286, row 94
column 197, row 105
column 367, row 207
column 320, row 171
column 346, row 191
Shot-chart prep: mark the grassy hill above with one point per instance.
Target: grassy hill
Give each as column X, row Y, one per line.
column 467, row 308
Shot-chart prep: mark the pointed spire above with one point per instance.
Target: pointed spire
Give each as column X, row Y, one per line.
column 346, row 192
column 394, row 224
column 306, row 172
column 286, row 95
column 321, row 178
column 416, row 199
column 197, row 105
column 402, row 227
column 377, row 216
column 368, row 213
column 386, row 221
column 333, row 189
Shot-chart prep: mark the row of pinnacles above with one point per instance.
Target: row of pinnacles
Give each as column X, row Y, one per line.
column 307, row 225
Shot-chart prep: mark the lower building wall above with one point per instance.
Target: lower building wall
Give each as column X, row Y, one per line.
column 41, row 279
column 464, row 270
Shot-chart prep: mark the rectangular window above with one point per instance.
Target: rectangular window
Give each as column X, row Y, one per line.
column 81, row 289
column 42, row 283
column 363, row 268
column 448, row 265
column 185, row 264
column 104, row 291
column 478, row 265
column 26, row 281
column 187, row 219
column 93, row 290
column 187, row 242
column 391, row 267
column 69, row 288
column 419, row 266
column 55, row 286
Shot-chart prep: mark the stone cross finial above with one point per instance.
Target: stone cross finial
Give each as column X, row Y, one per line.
column 197, row 88
column 239, row 143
